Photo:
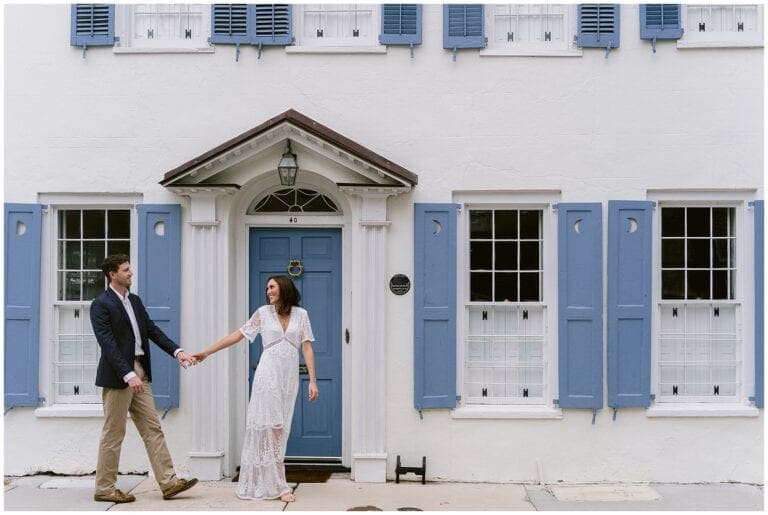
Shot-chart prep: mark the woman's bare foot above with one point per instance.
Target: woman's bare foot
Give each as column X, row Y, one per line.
column 288, row 497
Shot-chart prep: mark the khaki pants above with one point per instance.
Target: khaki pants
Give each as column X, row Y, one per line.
column 117, row 404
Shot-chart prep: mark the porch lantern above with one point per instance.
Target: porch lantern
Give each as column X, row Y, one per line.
column 288, row 167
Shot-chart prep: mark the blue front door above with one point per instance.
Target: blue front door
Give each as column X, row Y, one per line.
column 316, row 427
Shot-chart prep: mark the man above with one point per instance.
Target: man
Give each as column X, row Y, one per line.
column 122, row 326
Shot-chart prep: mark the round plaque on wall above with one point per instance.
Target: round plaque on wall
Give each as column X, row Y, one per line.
column 399, row 284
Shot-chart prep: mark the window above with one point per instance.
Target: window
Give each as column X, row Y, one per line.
column 84, row 238
column 722, row 25
column 294, row 200
column 163, row 27
column 699, row 341
column 530, row 29
column 338, row 25
column 506, row 341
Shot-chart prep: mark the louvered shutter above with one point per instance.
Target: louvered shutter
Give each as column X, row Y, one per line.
column 400, row 24
column 273, row 24
column 759, row 301
column 660, row 21
column 598, row 25
column 580, row 294
column 159, row 274
column 23, row 225
column 232, row 24
column 92, row 25
column 463, row 26
column 434, row 304
column 629, row 303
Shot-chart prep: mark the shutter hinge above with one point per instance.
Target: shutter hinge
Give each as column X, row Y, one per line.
column 458, row 398
column 7, row 410
column 594, row 415
column 411, row 45
column 607, row 49
column 237, row 52
column 165, row 413
column 259, row 56
column 751, row 398
column 653, row 44
column 85, row 47
column 421, row 415
column 653, row 397
column 615, row 410
column 454, row 54
column 556, row 402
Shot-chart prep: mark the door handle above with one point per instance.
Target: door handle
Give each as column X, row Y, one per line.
column 295, row 268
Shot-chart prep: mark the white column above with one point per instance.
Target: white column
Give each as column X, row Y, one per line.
column 205, row 289
column 369, row 455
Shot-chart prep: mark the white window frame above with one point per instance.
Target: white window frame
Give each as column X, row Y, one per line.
column 738, row 405
column 49, row 293
column 692, row 38
column 543, row 200
column 125, row 42
column 368, row 44
column 566, row 48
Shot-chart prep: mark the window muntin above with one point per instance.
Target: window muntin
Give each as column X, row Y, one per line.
column 698, row 253
column 505, row 255
column 164, row 26
column 294, row 200
column 722, row 24
column 530, row 28
column 339, row 24
column 84, row 238
column 506, row 339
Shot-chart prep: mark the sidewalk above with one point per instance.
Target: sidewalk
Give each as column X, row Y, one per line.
column 339, row 493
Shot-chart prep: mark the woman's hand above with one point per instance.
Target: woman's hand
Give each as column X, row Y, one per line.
column 200, row 356
column 313, row 391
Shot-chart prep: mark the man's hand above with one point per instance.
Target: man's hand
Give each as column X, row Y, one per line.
column 136, row 385
column 185, row 359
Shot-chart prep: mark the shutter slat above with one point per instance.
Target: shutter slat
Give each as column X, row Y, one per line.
column 230, row 24
column 463, row 26
column 400, row 24
column 659, row 21
column 598, row 25
column 92, row 25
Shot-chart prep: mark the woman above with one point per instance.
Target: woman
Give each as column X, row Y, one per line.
column 284, row 326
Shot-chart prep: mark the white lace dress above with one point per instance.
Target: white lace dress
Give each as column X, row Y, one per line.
column 275, row 384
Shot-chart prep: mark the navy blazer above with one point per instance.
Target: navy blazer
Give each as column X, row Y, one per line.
column 114, row 333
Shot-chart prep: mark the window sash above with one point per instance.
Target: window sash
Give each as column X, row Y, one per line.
column 76, row 355
column 722, row 24
column 337, row 23
column 156, row 26
column 530, row 26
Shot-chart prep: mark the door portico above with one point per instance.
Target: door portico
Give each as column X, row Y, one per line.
column 220, row 187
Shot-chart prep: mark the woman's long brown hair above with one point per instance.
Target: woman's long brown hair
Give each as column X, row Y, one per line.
column 289, row 294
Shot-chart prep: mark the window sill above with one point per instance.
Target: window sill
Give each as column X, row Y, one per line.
column 702, row 410
column 520, row 412
column 530, row 53
column 371, row 49
column 71, row 411
column 719, row 44
column 170, row 50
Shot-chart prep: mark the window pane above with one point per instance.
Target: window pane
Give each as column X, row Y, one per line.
column 672, row 284
column 71, row 281
column 506, row 255
column 94, row 254
column 720, row 284
column 119, row 224
column 672, row 253
column 529, row 287
column 529, row 224
column 506, row 224
column 673, row 221
column 720, row 253
column 698, row 254
column 698, row 221
column 69, row 224
column 506, row 287
column 698, row 284
column 480, row 255
column 93, row 284
column 529, row 255
column 118, row 247
column 480, row 224
column 71, row 255
column 720, row 221
column 480, row 286
column 93, row 224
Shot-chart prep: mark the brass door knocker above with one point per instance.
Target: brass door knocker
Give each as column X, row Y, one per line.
column 295, row 268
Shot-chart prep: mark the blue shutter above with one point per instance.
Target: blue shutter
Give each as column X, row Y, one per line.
column 23, row 224
column 93, row 25
column 232, row 23
column 598, row 25
column 759, row 301
column 434, row 304
column 159, row 274
column 400, row 24
column 580, row 294
column 629, row 303
column 273, row 24
column 660, row 21
column 463, row 26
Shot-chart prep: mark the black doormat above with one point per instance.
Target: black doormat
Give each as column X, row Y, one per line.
column 307, row 476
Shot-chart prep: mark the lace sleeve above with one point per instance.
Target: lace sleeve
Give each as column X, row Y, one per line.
column 305, row 330
column 252, row 327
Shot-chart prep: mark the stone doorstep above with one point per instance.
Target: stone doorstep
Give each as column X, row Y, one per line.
column 604, row 492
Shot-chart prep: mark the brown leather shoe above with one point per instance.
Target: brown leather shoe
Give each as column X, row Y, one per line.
column 179, row 486
column 115, row 496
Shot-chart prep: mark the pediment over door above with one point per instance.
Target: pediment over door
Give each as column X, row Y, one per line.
column 319, row 150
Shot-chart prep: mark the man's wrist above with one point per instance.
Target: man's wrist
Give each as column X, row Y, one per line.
column 177, row 352
column 130, row 375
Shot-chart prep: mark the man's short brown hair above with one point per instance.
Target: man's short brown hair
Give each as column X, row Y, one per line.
column 112, row 264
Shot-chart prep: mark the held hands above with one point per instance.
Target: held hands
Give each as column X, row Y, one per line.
column 185, row 359
column 199, row 357
column 314, row 393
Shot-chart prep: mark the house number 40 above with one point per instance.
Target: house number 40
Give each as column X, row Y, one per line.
column 293, row 219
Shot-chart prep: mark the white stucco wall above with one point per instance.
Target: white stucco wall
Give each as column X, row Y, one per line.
column 593, row 128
